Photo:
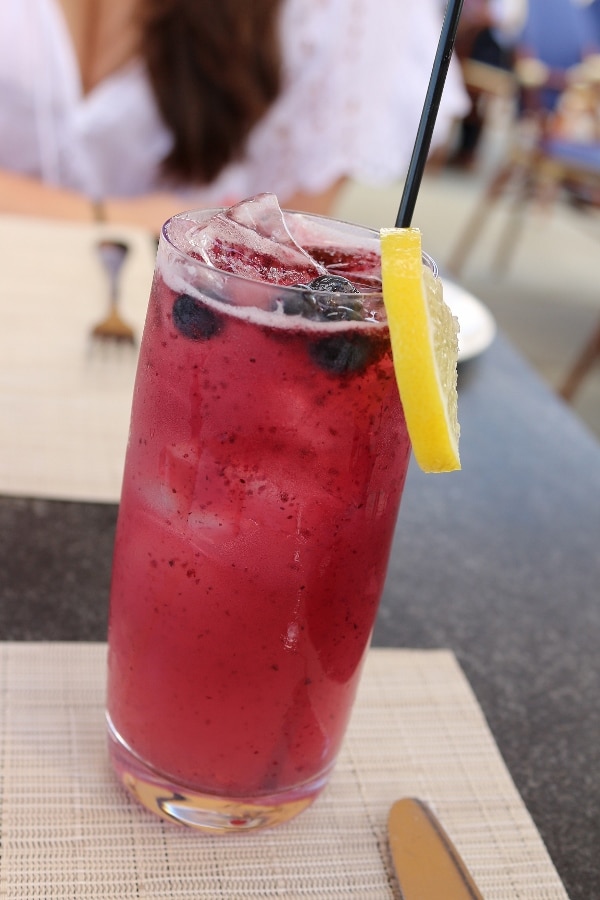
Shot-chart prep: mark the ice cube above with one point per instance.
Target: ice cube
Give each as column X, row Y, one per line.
column 341, row 248
column 253, row 240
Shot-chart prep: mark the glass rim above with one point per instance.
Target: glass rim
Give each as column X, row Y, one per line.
column 205, row 214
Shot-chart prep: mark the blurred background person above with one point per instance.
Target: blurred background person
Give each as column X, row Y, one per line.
column 130, row 110
column 488, row 32
column 590, row 15
column 561, row 34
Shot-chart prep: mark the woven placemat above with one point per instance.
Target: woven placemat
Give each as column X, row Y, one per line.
column 65, row 400
column 69, row 831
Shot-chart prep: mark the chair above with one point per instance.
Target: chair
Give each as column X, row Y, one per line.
column 555, row 150
column 588, row 357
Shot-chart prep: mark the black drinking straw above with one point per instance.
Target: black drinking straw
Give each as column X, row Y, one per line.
column 429, row 114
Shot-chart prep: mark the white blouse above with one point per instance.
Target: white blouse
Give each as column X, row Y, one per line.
column 354, row 79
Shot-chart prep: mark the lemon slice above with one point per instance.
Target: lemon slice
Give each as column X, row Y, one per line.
column 424, row 338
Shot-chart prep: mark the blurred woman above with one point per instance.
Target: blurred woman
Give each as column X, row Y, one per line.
column 130, row 111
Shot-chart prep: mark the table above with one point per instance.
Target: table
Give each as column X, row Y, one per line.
column 499, row 563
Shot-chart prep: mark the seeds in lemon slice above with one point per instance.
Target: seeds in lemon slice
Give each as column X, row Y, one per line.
column 424, row 339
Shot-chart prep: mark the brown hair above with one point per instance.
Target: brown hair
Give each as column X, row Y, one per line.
column 214, row 66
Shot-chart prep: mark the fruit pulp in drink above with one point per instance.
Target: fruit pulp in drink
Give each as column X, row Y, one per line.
column 264, row 471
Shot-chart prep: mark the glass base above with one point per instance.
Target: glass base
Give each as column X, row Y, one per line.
column 205, row 812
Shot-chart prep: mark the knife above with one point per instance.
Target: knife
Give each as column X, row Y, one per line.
column 427, row 864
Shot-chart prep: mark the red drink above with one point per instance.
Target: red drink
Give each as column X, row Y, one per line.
column 264, row 472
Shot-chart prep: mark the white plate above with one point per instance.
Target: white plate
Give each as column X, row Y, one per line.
column 477, row 325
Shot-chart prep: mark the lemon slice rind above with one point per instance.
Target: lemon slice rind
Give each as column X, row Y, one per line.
column 424, row 339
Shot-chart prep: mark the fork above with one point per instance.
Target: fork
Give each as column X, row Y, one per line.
column 112, row 255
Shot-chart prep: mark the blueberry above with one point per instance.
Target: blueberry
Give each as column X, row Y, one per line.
column 332, row 284
column 193, row 320
column 298, row 304
column 322, row 300
column 341, row 355
column 347, row 311
column 306, row 303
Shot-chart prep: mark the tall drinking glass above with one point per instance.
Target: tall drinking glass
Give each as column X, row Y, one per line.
column 265, row 465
